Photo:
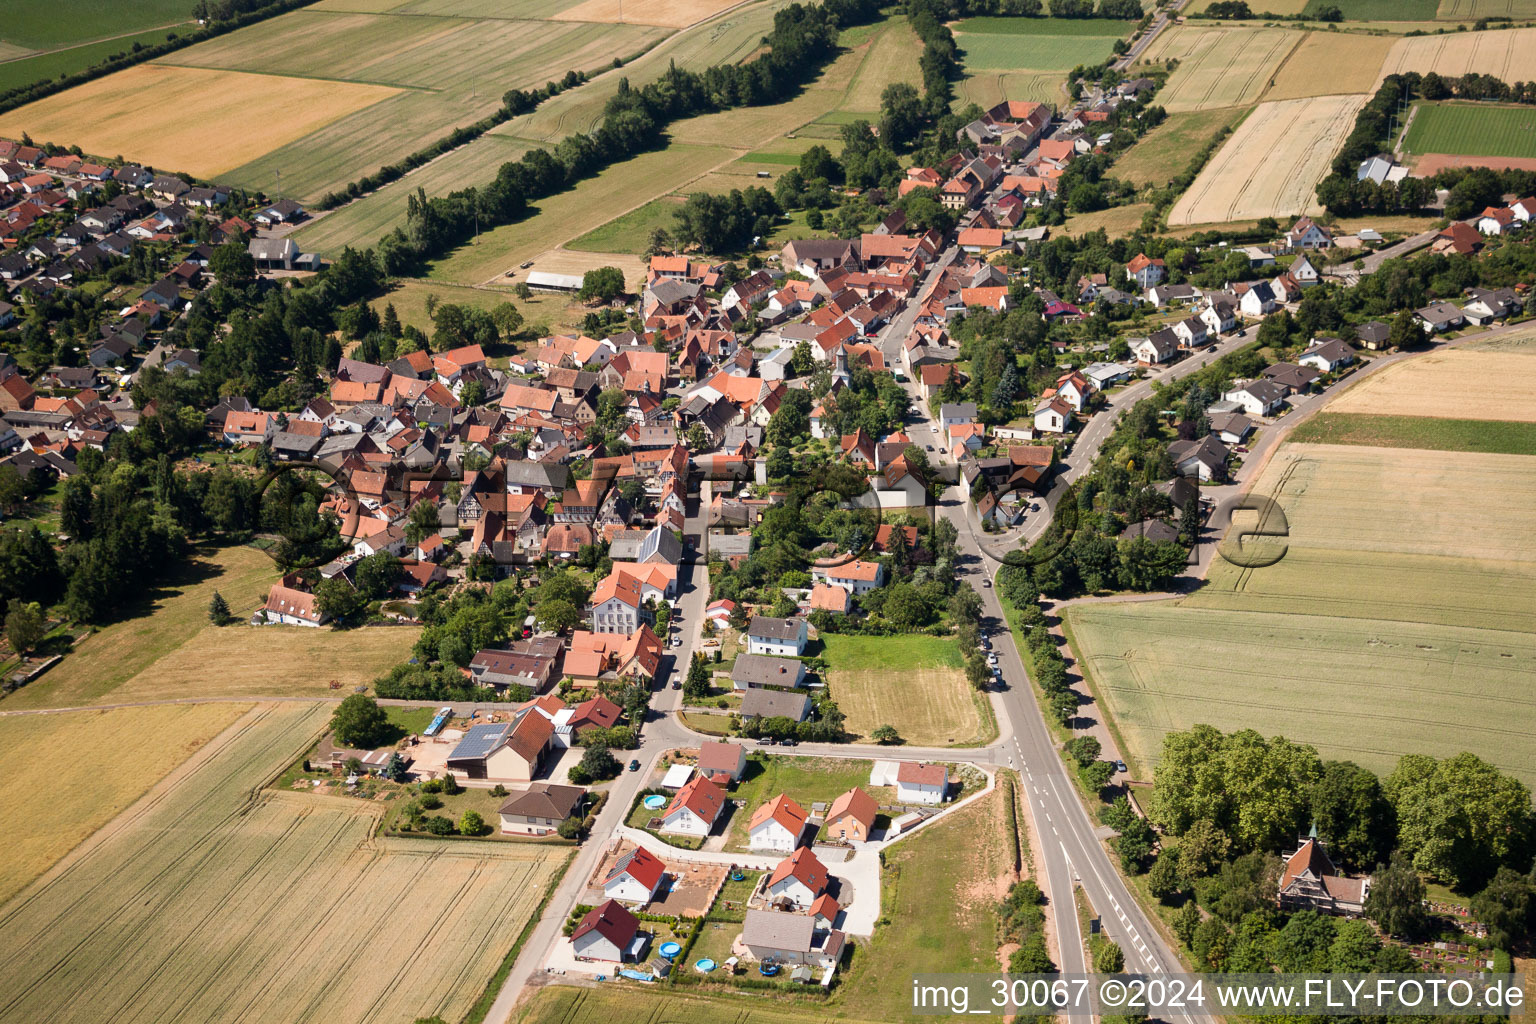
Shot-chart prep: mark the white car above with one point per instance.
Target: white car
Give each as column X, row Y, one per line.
column 677, row 643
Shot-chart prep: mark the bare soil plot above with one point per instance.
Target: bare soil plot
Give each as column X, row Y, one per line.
column 190, row 119
column 1219, row 66
column 95, row 764
column 666, row 13
column 209, row 904
column 1509, row 54
column 1452, row 383
column 1432, row 164
column 1271, row 165
column 1330, row 63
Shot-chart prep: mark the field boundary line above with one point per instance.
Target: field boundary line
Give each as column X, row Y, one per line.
column 308, row 78
column 93, row 42
column 1274, row 75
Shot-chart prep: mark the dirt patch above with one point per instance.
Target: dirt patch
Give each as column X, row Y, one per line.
column 1431, row 164
column 689, row 893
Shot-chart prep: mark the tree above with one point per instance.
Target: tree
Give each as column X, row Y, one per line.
column 696, row 685
column 233, row 264
column 818, row 162
column 599, row 763
column 218, row 610
column 558, row 615
column 377, row 575
column 439, row 825
column 603, row 284
column 25, row 625
column 1396, row 899
column 885, row 735
column 338, row 599
column 1406, row 331
column 1508, row 907
column 901, row 114
column 472, row 824
column 507, row 319
column 1108, row 957
column 658, row 242
column 75, row 509
column 359, row 722
column 423, row 520
column 1353, row 815
column 1165, row 880
column 1083, row 749
column 1460, row 818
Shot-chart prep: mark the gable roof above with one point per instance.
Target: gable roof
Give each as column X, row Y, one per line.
column 640, row 864
column 611, row 921
column 856, row 804
column 700, row 796
column 790, row 815
column 803, row 866
column 544, row 800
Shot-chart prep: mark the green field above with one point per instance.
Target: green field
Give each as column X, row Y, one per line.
column 1377, row 10
column 1450, row 435
column 632, row 231
column 1389, row 612
column 1165, row 152
column 914, row 683
column 1474, row 129
column 52, row 64
column 992, row 51
column 1085, row 27
column 71, row 22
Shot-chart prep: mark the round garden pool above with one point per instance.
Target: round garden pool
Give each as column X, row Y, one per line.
column 670, row 949
column 654, row 802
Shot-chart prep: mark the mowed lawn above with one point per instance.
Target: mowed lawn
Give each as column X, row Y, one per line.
column 1165, row 152
column 165, row 647
column 96, row 763
column 1473, row 129
column 1402, row 604
column 1036, row 44
column 1447, row 435
column 210, row 905
column 1377, row 10
column 914, row 683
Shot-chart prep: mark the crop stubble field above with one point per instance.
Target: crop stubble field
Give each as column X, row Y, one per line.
column 1271, row 165
column 96, row 762
column 1419, row 588
column 1474, row 129
column 210, row 902
column 1450, row 383
column 1509, row 54
column 1219, row 67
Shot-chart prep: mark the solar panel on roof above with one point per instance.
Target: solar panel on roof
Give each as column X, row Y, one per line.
column 479, row 741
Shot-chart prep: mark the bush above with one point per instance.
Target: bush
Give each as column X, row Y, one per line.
column 450, row 785
column 570, row 828
column 472, row 824
column 439, row 825
column 430, row 801
column 498, row 790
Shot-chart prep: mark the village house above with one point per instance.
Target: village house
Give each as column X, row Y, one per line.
column 851, row 817
column 1439, row 317
column 783, row 637
column 1053, row 416
column 921, row 783
column 618, row 606
column 721, row 761
column 1206, row 458
column 753, row 670
column 635, row 877
column 539, row 809
column 797, row 880
column 289, row 606
column 776, row 826
column 1145, row 271
column 1327, row 355
column 1305, row 234
column 503, row 751
column 856, row 577
column 1159, row 347
column 762, row 702
column 781, row 938
column 609, row 933
column 694, row 808
column 1258, row 397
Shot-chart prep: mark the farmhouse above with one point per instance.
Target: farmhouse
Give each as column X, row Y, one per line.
column 784, row 637
column 753, row 670
column 776, row 826
column 694, row 808
column 635, row 877
column 852, row 816
column 1309, row 881
column 609, row 933
column 539, row 810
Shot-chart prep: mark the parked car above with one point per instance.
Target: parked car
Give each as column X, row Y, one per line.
column 765, row 741
column 1120, row 767
column 634, row 766
column 676, row 685
column 676, row 642
column 788, row 741
column 986, row 583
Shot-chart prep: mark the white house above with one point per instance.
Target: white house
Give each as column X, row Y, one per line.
column 1307, row 235
column 1145, row 271
column 609, row 932
column 1190, row 331
column 857, row 577
column 921, row 783
column 782, row 637
column 1258, row 300
column 1498, row 220
column 1218, row 317
column 776, row 826
column 392, row 540
column 1160, row 347
column 693, row 809
column 635, row 877
column 951, row 413
column 1053, row 417
column 798, row 880
column 1074, row 389
column 291, row 607
column 1327, row 354
column 1206, row 458
column 1257, row 398
column 1304, row 272
column 1103, row 375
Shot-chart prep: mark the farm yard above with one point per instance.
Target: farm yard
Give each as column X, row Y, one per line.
column 177, row 652
column 1219, row 67
column 281, row 909
column 1475, row 129
column 1271, row 165
column 914, row 683
column 211, row 133
column 1450, row 383
column 1509, row 54
column 1417, row 628
column 97, row 763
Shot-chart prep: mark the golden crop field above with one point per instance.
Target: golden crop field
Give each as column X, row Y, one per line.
column 911, row 682
column 1219, row 66
column 1453, row 383
column 168, row 648
column 200, row 121
column 1509, row 54
column 96, row 764
column 1328, row 64
column 667, row 13
column 210, row 900
column 1271, row 165
column 1403, row 604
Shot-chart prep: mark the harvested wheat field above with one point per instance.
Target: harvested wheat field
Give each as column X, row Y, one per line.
column 1219, row 67
column 1509, row 54
column 96, row 764
column 1452, row 383
column 211, row 900
column 166, row 647
column 1271, row 165
column 665, row 13
column 195, row 120
column 1328, row 64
